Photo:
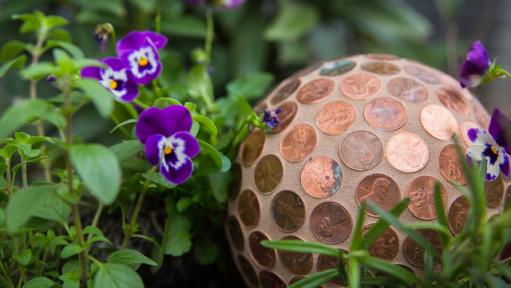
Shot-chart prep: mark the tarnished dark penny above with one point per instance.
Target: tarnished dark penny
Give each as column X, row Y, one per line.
column 438, row 121
column 464, row 127
column 407, row 152
column 315, row 91
column 386, row 246
column 450, row 166
column 263, row 256
column 288, row 211
column 422, row 197
column 298, row 143
column 360, row 86
column 335, row 117
column 453, row 100
column 285, row 90
column 268, row 173
column 330, row 223
column 494, row 192
column 234, row 232
column 380, row 189
column 271, row 280
column 385, row 113
column 247, row 270
column 337, row 68
column 414, row 253
column 382, row 56
column 407, row 89
column 287, row 113
column 328, row 262
column 380, row 67
column 248, row 208
column 295, row 279
column 308, row 70
column 458, row 214
column 235, row 187
column 482, row 116
column 297, row 263
column 321, row 177
column 252, row 147
column 361, row 150
column 422, row 74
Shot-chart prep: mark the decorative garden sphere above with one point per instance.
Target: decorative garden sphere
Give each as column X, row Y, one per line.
column 368, row 127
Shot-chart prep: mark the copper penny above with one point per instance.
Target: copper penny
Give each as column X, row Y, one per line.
column 386, row 246
column 380, row 189
column 268, row 173
column 385, row 113
column 252, row 147
column 422, row 74
column 298, row 143
column 234, row 232
column 321, row 177
column 288, row 211
column 259, row 109
column 422, row 197
column 297, row 263
column 438, row 122
column 360, row 86
column 458, row 214
column 285, row 90
column 380, row 67
column 248, row 208
column 295, row 279
column 337, row 68
column 361, row 150
column 330, row 223
column 308, row 70
column 335, row 117
column 450, row 166
column 482, row 116
column 453, row 100
column 414, row 253
column 247, row 270
column 271, row 280
column 315, row 91
column 494, row 192
column 328, row 262
column 465, row 125
column 287, row 113
column 263, row 256
column 407, row 89
column 382, row 56
column 235, row 187
column 407, row 152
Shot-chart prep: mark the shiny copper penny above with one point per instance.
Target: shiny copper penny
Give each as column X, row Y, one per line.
column 308, row 70
column 297, row 263
column 298, row 143
column 386, row 246
column 252, row 147
column 285, row 90
column 382, row 56
column 287, row 113
column 271, row 280
column 381, row 67
column 407, row 89
column 315, row 91
column 380, row 189
column 321, row 177
column 335, row 117
column 235, row 187
column 268, row 173
column 360, row 85
column 422, row 198
column 288, row 211
column 453, row 100
column 494, row 192
column 337, row 68
column 407, row 152
column 450, row 166
column 248, row 208
column 247, row 270
column 438, row 122
column 385, row 113
column 465, row 125
column 330, row 223
column 482, row 116
column 422, row 74
column 361, row 150
column 458, row 214
column 328, row 262
column 263, row 256
column 414, row 253
column 234, row 232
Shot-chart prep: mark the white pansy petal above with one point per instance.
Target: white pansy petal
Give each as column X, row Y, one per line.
column 476, row 152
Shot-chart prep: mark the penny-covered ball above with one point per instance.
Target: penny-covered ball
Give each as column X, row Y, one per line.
column 369, row 127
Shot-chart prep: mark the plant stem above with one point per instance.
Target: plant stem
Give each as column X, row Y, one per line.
column 95, row 220
column 134, row 216
column 24, row 176
column 209, row 34
column 8, row 175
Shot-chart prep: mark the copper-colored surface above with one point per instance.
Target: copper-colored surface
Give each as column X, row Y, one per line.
column 422, row 197
column 247, row 270
column 438, row 122
column 508, row 197
column 385, row 113
column 458, row 214
column 414, row 253
column 330, row 222
column 252, row 147
column 386, row 246
column 453, row 100
column 234, row 232
column 381, row 56
column 337, row 68
column 494, row 192
column 268, row 173
column 380, row 189
column 259, row 109
column 407, row 89
column 361, row 150
column 285, row 91
column 234, row 190
column 321, row 177
column 360, row 85
column 287, row 113
column 270, row 280
column 465, row 125
column 315, row 91
column 288, row 211
column 263, row 256
column 335, row 117
column 298, row 143
column 296, row 263
column 382, row 68
column 248, row 208
column 450, row 166
column 407, row 152
column 328, row 262
column 482, row 116
column 308, row 70
column 422, row 74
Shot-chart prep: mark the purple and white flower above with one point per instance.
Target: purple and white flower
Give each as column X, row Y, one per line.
column 475, row 66
column 115, row 77
column 225, row 4
column 271, row 117
column 168, row 142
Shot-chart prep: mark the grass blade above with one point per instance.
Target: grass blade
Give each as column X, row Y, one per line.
column 316, row 279
column 357, row 234
column 442, row 217
column 301, row 246
column 390, row 269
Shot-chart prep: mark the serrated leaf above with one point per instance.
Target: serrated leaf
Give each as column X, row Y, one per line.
column 16, row 62
column 157, row 178
column 53, row 208
column 70, row 250
column 129, row 257
column 113, row 275
column 24, row 257
column 11, row 49
column 177, row 238
column 39, row 282
column 100, row 96
column 126, row 149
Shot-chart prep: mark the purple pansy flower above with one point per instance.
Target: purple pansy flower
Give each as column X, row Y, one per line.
column 271, row 117
column 139, row 50
column 492, row 145
column 115, row 77
column 168, row 142
column 475, row 66
column 226, row 4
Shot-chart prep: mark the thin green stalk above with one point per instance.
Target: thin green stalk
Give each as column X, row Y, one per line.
column 7, row 276
column 157, row 19
column 8, row 175
column 139, row 103
column 134, row 216
column 209, row 34
column 24, row 175
column 95, row 220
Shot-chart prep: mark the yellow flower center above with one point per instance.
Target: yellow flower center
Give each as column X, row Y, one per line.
column 493, row 149
column 143, row 61
column 113, row 84
column 168, row 150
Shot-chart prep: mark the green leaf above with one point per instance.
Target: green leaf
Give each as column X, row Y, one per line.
column 301, row 246
column 177, row 238
column 391, row 269
column 440, row 211
column 16, row 62
column 113, row 275
column 200, row 85
column 53, row 21
column 11, row 49
column 100, row 96
column 24, row 257
column 250, row 86
column 209, row 126
column 221, row 161
column 164, row 102
column 24, row 202
column 99, row 170
column 354, row 272
column 130, row 257
column 122, row 124
column 72, row 49
column 293, row 21
column 183, row 203
column 205, row 251
column 38, row 71
column 188, row 26
column 126, row 149
column 39, row 282
column 316, row 279
column 157, row 178
column 70, row 250
column 53, row 208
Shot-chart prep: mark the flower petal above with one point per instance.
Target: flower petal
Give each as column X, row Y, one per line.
column 191, row 146
column 475, row 66
column 500, row 127
column 475, row 152
column 135, row 39
column 153, row 148
column 492, row 171
column 177, row 176
column 91, row 72
column 166, row 121
column 504, row 166
column 114, row 63
column 142, row 75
